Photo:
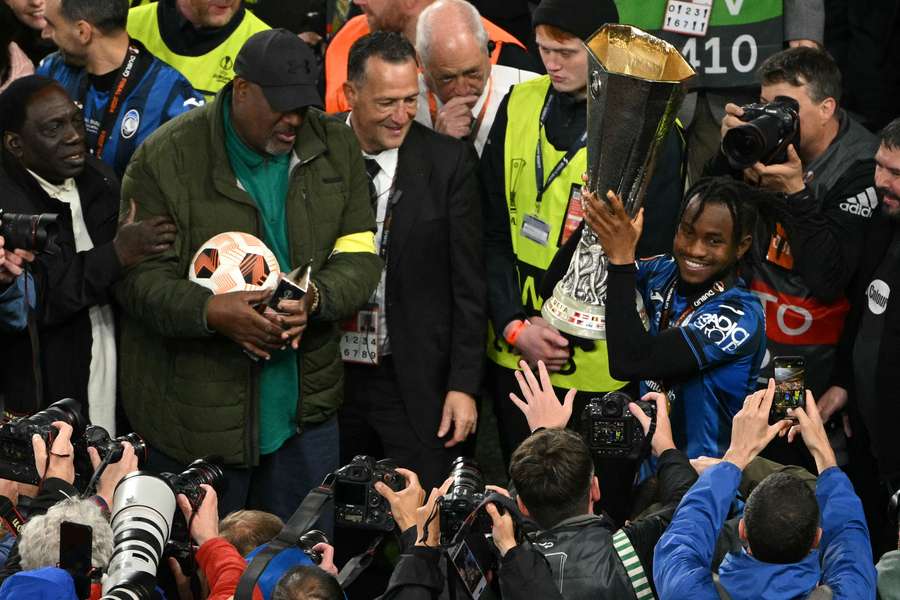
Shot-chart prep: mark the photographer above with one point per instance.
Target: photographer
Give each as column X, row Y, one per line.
column 553, row 474
column 14, row 283
column 826, row 179
column 788, row 554
column 56, row 468
column 70, row 350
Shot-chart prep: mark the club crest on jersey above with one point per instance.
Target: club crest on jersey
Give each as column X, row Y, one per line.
column 130, row 123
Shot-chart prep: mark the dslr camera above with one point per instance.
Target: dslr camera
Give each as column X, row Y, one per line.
column 465, row 495
column 28, row 232
column 609, row 428
column 769, row 130
column 356, row 502
column 202, row 470
column 17, row 453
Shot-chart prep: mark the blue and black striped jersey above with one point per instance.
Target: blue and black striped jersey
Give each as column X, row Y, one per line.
column 162, row 94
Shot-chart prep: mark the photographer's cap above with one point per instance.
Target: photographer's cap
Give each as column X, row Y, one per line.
column 284, row 67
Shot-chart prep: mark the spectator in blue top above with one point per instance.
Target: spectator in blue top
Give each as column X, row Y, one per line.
column 126, row 93
column 707, row 330
column 796, row 542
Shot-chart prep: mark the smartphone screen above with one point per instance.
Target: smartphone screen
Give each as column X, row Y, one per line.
column 75, row 541
column 469, row 570
column 790, row 385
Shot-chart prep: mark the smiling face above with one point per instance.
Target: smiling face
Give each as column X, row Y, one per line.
column 704, row 244
column 29, row 12
column 261, row 128
column 51, row 141
column 384, row 103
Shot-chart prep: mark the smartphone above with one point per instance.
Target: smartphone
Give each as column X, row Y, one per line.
column 75, row 541
column 790, row 386
column 469, row 570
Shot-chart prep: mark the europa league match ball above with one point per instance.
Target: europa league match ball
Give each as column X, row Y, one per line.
column 234, row 262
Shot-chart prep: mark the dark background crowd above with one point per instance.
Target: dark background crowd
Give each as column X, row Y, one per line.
column 381, row 398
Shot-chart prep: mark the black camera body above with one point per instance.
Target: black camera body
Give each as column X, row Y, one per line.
column 16, row 451
column 466, row 493
column 610, row 430
column 770, row 128
column 202, row 470
column 28, row 232
column 356, row 502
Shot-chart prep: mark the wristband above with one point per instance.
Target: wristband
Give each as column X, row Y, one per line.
column 314, row 305
column 517, row 328
column 11, row 518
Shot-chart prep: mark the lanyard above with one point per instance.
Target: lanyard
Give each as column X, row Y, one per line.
column 540, row 183
column 665, row 319
column 137, row 61
column 392, row 199
column 476, row 124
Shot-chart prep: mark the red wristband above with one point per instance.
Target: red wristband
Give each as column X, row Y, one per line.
column 517, row 328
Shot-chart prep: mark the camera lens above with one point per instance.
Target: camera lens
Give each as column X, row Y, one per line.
column 745, row 145
column 67, row 410
column 28, row 232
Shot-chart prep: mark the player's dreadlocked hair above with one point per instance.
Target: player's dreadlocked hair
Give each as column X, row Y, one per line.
column 749, row 206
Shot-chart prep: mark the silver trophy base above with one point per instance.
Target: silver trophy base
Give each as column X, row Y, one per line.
column 583, row 320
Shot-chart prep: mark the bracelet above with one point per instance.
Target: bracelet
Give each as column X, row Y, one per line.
column 314, row 305
column 517, row 328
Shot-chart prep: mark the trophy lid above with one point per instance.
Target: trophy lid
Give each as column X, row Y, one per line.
column 627, row 50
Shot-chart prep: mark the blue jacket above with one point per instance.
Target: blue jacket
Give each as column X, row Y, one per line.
column 13, row 306
column 843, row 561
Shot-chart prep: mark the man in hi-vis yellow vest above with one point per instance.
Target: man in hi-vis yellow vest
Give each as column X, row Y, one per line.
column 200, row 39
column 531, row 168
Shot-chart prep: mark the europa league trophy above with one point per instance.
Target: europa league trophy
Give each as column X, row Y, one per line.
column 636, row 83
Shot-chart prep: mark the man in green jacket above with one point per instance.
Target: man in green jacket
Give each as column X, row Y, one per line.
column 258, row 159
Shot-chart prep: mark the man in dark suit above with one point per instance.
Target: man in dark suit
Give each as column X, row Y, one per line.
column 423, row 332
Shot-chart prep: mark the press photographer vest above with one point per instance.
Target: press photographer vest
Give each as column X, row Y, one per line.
column 587, row 370
column 209, row 72
column 740, row 36
column 584, row 561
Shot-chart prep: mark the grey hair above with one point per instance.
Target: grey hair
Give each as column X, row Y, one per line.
column 39, row 541
column 424, row 26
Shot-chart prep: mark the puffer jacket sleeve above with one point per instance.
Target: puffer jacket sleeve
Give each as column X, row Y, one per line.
column 348, row 278
column 156, row 291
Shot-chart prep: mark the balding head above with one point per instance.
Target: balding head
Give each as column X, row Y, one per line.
column 453, row 49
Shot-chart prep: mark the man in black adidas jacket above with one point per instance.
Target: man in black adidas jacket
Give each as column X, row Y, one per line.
column 577, row 554
column 803, row 270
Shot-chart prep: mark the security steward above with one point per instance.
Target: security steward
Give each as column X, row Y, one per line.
column 197, row 39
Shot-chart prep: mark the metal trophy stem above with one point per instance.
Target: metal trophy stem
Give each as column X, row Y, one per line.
column 635, row 87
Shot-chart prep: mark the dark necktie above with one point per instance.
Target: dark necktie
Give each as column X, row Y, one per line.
column 372, row 170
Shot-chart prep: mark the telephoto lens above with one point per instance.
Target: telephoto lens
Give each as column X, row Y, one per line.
column 142, row 515
column 466, row 492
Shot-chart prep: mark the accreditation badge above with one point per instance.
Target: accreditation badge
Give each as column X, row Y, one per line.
column 535, row 229
column 687, row 17
column 359, row 337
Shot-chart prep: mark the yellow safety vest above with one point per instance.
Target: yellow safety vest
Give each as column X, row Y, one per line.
column 207, row 73
column 587, row 370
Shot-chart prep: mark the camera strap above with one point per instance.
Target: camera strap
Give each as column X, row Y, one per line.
column 504, row 502
column 300, row 522
column 12, row 519
column 633, row 567
column 359, row 563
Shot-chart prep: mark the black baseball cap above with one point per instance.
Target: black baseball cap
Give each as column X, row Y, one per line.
column 284, row 67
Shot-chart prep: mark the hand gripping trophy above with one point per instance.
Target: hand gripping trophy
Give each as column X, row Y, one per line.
column 636, row 84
